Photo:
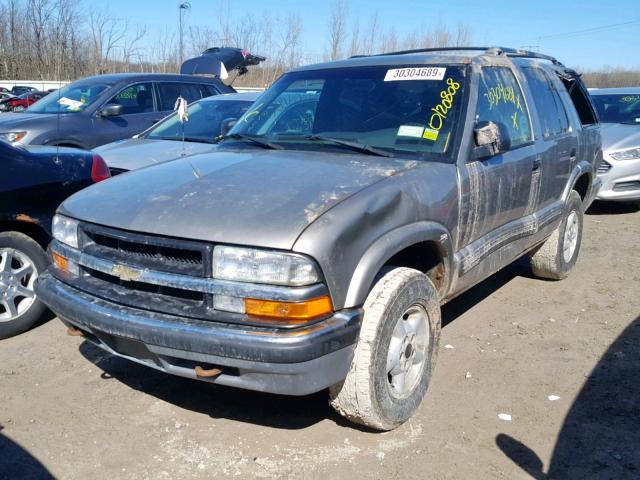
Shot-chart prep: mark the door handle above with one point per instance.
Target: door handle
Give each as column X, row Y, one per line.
column 572, row 153
column 536, row 164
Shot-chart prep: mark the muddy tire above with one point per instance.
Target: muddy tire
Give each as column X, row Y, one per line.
column 21, row 261
column 395, row 354
column 555, row 258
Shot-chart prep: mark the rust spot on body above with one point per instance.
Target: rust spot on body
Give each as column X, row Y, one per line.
column 23, row 217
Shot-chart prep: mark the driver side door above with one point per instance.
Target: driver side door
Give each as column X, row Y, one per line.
column 496, row 191
column 139, row 112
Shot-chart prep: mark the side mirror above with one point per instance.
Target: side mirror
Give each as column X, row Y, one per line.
column 227, row 124
column 491, row 139
column 110, row 110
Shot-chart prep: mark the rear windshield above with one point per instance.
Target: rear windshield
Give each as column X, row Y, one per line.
column 618, row 108
column 72, row 98
column 406, row 111
column 203, row 124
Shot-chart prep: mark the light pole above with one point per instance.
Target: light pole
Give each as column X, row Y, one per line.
column 183, row 7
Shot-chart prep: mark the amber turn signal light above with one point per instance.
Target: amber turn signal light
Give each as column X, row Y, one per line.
column 289, row 312
column 60, row 262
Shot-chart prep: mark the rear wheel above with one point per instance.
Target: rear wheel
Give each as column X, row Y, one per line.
column 555, row 258
column 396, row 352
column 21, row 261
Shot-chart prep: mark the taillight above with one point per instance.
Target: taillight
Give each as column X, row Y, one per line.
column 99, row 169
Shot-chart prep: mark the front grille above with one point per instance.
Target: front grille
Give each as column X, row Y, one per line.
column 626, row 186
column 183, row 257
column 152, row 252
column 604, row 167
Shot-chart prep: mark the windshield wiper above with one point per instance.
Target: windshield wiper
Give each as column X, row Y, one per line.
column 360, row 147
column 257, row 141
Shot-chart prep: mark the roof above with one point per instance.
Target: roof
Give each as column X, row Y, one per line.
column 614, row 91
column 429, row 56
column 121, row 77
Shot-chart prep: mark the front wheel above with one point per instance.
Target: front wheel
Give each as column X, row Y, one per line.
column 395, row 354
column 555, row 258
column 21, row 261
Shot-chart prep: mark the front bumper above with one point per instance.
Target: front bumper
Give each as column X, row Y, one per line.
column 621, row 182
column 296, row 361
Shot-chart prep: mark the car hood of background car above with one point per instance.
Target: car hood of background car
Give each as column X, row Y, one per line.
column 17, row 120
column 618, row 136
column 136, row 153
column 249, row 197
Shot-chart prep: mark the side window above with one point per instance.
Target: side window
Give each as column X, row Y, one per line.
column 170, row 91
column 208, row 90
column 553, row 117
column 581, row 100
column 136, row 98
column 500, row 100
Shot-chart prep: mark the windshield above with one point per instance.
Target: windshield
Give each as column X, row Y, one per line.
column 205, row 119
column 72, row 98
column 405, row 111
column 619, row 108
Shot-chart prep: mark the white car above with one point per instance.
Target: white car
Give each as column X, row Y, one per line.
column 619, row 112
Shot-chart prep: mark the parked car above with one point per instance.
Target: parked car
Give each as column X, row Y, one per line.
column 20, row 89
column 34, row 181
column 164, row 141
column 22, row 102
column 316, row 251
column 619, row 112
column 4, row 95
column 105, row 108
column 4, row 90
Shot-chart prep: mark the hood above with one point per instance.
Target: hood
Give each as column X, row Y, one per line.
column 618, row 136
column 250, row 197
column 136, row 153
column 12, row 120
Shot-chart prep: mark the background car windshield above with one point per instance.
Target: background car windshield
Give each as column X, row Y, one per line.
column 71, row 98
column 205, row 118
column 620, row 108
column 405, row 110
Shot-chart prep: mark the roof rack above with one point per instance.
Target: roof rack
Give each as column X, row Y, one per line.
column 510, row 52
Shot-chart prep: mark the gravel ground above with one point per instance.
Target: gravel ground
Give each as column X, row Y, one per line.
column 561, row 358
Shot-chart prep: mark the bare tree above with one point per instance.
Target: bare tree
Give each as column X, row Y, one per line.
column 337, row 29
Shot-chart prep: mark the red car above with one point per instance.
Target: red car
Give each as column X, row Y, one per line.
column 17, row 104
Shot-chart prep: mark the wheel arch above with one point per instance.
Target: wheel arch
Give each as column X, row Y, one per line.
column 580, row 180
column 29, row 226
column 425, row 246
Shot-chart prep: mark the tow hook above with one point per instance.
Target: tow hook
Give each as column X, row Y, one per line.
column 207, row 373
column 74, row 332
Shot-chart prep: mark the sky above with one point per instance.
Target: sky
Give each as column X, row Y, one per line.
column 581, row 33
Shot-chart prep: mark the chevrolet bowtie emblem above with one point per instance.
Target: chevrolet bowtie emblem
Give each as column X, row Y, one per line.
column 125, row 273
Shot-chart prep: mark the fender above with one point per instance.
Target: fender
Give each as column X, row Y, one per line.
column 387, row 246
column 578, row 170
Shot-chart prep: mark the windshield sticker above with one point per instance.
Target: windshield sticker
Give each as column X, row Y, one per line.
column 430, row 134
column 410, row 131
column 441, row 110
column 630, row 98
column 73, row 105
column 424, row 73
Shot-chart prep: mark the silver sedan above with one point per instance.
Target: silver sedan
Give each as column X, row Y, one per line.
column 619, row 112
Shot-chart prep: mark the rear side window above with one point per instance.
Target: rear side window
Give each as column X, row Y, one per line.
column 580, row 99
column 208, row 90
column 170, row 91
column 135, row 99
column 500, row 100
column 553, row 117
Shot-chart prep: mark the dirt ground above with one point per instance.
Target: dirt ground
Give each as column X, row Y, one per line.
column 70, row 411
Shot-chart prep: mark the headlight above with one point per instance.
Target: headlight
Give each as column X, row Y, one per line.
column 629, row 154
column 65, row 230
column 261, row 266
column 12, row 137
